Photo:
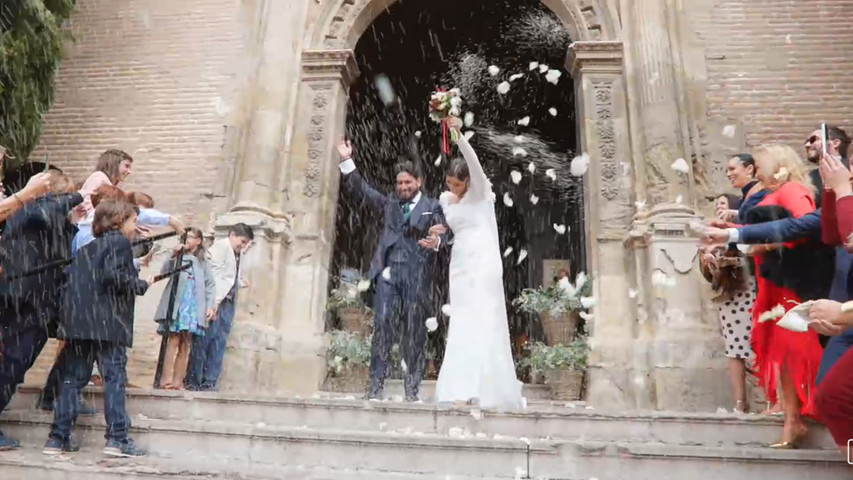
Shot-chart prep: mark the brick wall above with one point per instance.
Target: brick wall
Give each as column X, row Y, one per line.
column 145, row 76
column 778, row 66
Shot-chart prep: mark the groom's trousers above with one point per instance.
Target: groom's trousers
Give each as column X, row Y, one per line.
column 399, row 306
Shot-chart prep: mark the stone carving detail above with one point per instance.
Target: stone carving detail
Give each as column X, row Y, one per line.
column 606, row 139
column 346, row 12
column 316, row 140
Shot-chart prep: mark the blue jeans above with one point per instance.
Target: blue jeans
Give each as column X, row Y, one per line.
column 209, row 350
column 18, row 352
column 76, row 371
column 836, row 347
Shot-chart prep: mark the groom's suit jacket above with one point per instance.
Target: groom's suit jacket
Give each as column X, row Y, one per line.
column 398, row 244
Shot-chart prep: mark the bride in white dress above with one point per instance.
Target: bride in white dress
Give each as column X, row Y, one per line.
column 478, row 365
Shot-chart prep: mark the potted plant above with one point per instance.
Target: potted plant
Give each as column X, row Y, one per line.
column 348, row 360
column 557, row 307
column 562, row 365
column 347, row 302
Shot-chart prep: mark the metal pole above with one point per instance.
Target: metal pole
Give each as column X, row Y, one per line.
column 167, row 322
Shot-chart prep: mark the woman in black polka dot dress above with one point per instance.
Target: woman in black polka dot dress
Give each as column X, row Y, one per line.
column 736, row 294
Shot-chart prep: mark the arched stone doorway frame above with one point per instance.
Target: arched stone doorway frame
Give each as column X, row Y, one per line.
column 595, row 61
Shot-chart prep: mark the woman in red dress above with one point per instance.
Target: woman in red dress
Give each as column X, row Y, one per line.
column 790, row 358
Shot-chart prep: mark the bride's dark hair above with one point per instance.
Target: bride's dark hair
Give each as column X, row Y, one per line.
column 459, row 169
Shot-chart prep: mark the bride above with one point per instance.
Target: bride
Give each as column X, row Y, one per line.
column 478, row 366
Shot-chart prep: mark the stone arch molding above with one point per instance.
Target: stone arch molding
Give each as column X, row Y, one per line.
column 346, row 20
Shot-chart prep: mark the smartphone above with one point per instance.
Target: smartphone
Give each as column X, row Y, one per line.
column 46, row 163
column 824, row 136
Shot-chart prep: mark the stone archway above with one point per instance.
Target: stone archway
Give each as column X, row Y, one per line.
column 595, row 61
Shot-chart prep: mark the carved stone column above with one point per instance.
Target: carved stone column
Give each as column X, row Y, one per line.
column 259, row 346
column 601, row 102
column 311, row 179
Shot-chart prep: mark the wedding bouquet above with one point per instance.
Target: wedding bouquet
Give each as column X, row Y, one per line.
column 442, row 106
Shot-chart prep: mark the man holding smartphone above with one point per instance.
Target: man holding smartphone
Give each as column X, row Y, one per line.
column 835, row 146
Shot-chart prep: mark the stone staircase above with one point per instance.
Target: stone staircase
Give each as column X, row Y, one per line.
column 204, row 435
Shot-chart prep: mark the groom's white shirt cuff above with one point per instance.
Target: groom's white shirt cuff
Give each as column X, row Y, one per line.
column 734, row 235
column 347, row 166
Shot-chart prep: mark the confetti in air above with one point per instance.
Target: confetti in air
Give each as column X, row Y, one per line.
column 551, row 173
column 363, row 285
column 403, row 366
column 543, row 68
column 515, row 77
column 503, row 88
column 580, row 165
column 679, row 199
column 507, row 200
column 533, row 198
column 561, row 229
column 445, row 309
column 386, row 91
column 418, row 134
column 729, row 131
column 519, row 152
column 552, row 111
column 681, row 166
column 553, row 76
column 640, row 204
column 494, row 70
column 632, row 293
column 522, row 254
column 515, row 176
column 386, row 274
column 524, row 121
column 469, row 119
column 534, row 65
column 437, row 161
column 507, row 252
column 431, row 324
column 519, row 139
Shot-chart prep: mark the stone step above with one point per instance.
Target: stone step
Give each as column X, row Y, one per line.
column 238, row 448
column 394, row 388
column 536, row 421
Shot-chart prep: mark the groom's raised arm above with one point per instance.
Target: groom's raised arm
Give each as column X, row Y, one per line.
column 353, row 181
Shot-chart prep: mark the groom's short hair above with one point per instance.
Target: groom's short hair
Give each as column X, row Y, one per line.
column 407, row 166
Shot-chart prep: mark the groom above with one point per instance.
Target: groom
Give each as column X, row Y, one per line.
column 401, row 270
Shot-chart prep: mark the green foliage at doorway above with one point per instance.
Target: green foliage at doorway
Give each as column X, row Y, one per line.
column 31, row 38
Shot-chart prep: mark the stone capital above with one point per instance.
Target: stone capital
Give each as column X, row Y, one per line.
column 273, row 228
column 594, row 57
column 326, row 65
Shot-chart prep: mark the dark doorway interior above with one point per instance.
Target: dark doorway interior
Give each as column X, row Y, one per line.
column 419, row 46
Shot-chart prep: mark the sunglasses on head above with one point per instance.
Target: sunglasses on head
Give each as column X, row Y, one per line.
column 812, row 139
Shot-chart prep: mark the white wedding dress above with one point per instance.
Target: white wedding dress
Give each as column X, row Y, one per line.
column 478, row 363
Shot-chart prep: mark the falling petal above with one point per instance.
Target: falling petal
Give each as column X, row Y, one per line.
column 553, row 76
column 660, row 279
column 431, row 324
column 561, row 229
column 543, row 68
column 494, row 70
column 531, row 167
column 468, row 134
column 550, row 173
column 588, row 302
column 515, row 77
column 580, row 165
column 220, row 106
column 534, row 65
column 534, row 199
column 519, row 152
column 781, row 175
column 445, row 309
column 680, row 165
column 524, row 121
column 552, row 111
column 469, row 119
column 403, row 366
column 437, row 161
column 522, row 254
column 507, row 252
column 519, row 139
column 364, row 285
column 418, row 134
column 640, row 204
column 679, row 199
column 386, row 274
column 386, row 91
column 515, row 176
column 729, row 131
column 503, row 88
column 507, row 200
column 632, row 293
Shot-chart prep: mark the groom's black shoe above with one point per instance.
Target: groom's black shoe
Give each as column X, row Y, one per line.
column 412, row 398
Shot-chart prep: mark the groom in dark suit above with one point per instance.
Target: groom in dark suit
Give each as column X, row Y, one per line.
column 401, row 271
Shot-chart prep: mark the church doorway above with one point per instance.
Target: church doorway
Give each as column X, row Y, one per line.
column 414, row 48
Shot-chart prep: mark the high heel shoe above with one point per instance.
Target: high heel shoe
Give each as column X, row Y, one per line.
column 793, row 444
column 741, row 406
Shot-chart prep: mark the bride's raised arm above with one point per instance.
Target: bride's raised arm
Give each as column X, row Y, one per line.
column 480, row 187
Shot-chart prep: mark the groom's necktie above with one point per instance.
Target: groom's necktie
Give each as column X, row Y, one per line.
column 407, row 210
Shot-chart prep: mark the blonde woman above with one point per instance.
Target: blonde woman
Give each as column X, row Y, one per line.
column 791, row 358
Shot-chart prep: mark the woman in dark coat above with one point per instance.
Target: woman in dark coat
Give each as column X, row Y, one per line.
column 97, row 321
